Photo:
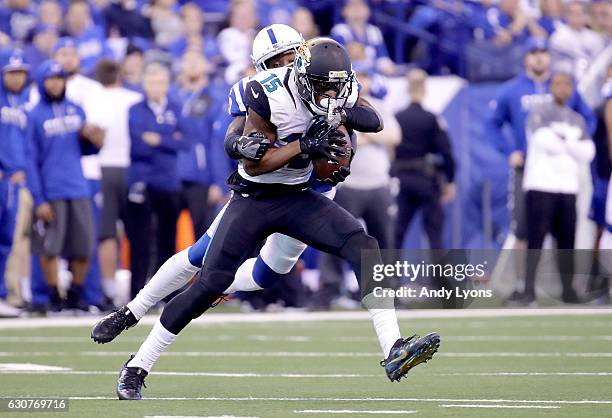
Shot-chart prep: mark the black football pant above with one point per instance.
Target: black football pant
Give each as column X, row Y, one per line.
column 373, row 207
column 304, row 215
column 155, row 204
column 553, row 213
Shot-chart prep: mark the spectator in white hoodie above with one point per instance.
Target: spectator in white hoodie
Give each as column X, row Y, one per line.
column 558, row 147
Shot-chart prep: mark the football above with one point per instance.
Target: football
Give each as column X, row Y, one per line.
column 323, row 168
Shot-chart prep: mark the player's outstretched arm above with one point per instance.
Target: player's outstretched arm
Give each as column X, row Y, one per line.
column 274, row 158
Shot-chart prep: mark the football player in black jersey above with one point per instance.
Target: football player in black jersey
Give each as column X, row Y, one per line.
column 272, row 194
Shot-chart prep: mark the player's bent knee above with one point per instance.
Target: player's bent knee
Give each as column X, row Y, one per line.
column 280, row 253
column 358, row 242
column 186, row 306
column 197, row 251
column 362, row 241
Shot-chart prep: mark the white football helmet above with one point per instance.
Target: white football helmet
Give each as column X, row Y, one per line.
column 274, row 40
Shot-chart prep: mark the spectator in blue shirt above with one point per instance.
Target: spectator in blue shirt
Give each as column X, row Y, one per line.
column 17, row 19
column 527, row 90
column 192, row 76
column 193, row 35
column 357, row 29
column 132, row 68
column 156, row 133
column 127, row 17
column 14, row 156
column 506, row 23
column 90, row 40
column 59, row 136
column 376, row 81
column 551, row 12
column 275, row 11
column 303, row 22
column 203, row 167
column 42, row 46
column 50, row 13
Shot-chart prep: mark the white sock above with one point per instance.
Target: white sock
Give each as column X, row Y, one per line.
column 387, row 328
column 244, row 282
column 109, row 287
column 171, row 276
column 158, row 339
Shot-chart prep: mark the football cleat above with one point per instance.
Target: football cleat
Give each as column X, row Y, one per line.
column 112, row 325
column 407, row 353
column 130, row 382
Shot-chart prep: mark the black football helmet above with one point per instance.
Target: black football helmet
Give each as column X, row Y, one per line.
column 324, row 75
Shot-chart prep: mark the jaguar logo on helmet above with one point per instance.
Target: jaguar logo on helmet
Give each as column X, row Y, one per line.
column 302, row 59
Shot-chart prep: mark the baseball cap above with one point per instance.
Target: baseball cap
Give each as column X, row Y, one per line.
column 536, row 44
column 13, row 60
column 64, row 42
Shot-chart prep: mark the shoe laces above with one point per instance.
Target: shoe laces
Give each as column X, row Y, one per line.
column 414, row 337
column 397, row 345
column 219, row 300
column 119, row 318
column 133, row 380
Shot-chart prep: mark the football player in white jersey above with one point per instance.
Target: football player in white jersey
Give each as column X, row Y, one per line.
column 273, row 47
column 272, row 194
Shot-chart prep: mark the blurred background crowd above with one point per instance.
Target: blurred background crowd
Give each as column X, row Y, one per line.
column 466, row 89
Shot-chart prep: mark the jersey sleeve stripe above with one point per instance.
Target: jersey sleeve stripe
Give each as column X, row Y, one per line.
column 238, row 95
column 233, row 109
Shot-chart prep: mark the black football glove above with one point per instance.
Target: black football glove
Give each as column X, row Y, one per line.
column 252, row 147
column 317, row 132
column 322, row 141
column 338, row 176
column 331, row 148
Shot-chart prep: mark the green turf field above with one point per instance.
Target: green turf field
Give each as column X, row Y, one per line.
column 557, row 366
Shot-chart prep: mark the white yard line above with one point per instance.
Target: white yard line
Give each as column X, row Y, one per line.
column 527, row 338
column 501, row 406
column 510, row 374
column 190, row 354
column 353, row 411
column 9, row 369
column 297, row 354
column 223, row 318
column 323, row 399
column 193, row 416
column 195, row 374
column 302, row 338
column 525, row 354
